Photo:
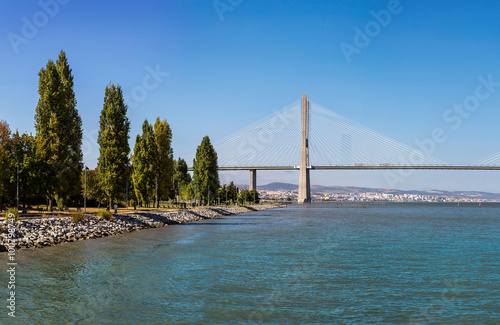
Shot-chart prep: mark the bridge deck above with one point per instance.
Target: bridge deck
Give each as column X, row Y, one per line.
column 439, row 167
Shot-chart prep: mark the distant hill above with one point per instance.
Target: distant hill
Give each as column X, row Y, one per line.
column 352, row 190
column 276, row 186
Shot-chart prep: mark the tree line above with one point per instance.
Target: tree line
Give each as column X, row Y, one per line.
column 49, row 165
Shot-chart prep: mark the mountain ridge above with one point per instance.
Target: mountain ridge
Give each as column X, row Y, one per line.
column 354, row 190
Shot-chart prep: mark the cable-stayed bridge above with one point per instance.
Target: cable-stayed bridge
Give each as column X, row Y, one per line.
column 305, row 136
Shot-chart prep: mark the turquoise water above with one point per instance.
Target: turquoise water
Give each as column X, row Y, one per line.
column 393, row 263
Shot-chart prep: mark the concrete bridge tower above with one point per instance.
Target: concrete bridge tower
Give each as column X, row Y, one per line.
column 304, row 182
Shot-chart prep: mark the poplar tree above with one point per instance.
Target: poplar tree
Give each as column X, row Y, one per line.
column 144, row 164
column 48, row 120
column 165, row 158
column 58, row 131
column 114, row 149
column 205, row 171
column 73, row 127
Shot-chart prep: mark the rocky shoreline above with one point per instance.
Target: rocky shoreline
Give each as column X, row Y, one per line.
column 51, row 231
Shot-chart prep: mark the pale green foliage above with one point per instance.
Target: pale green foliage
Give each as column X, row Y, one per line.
column 187, row 191
column 77, row 216
column 10, row 212
column 105, row 214
column 182, row 180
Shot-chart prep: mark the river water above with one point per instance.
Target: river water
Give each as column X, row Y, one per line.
column 305, row 264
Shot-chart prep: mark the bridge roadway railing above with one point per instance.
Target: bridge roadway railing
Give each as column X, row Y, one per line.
column 253, row 169
column 361, row 167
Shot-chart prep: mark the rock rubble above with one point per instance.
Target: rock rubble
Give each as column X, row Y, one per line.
column 55, row 230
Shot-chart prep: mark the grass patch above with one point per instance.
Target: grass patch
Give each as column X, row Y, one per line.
column 77, row 216
column 14, row 212
column 105, row 214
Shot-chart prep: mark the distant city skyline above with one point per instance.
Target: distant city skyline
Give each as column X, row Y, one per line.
column 414, row 71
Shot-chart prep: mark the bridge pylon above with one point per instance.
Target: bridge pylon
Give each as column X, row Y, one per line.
column 253, row 180
column 304, row 180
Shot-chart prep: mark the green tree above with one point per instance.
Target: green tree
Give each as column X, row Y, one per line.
column 254, row 196
column 144, row 165
column 246, row 196
column 114, row 149
column 74, row 126
column 232, row 192
column 5, row 162
column 165, row 159
column 24, row 148
column 205, row 171
column 222, row 193
column 94, row 189
column 181, row 177
column 58, row 131
column 187, row 192
column 243, row 196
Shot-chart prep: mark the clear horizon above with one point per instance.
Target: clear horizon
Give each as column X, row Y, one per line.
column 402, row 68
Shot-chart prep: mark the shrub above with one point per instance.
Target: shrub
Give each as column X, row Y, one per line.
column 77, row 216
column 14, row 212
column 60, row 203
column 105, row 214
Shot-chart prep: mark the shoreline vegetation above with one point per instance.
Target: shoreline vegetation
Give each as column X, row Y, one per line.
column 49, row 165
column 54, row 230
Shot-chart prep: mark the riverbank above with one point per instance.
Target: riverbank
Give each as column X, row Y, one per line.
column 55, row 230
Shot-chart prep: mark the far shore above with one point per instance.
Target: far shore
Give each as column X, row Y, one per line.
column 53, row 229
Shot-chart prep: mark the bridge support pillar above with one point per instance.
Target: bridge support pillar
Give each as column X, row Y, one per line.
column 253, row 180
column 304, row 182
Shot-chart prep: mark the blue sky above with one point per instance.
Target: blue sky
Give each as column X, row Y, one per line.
column 224, row 74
